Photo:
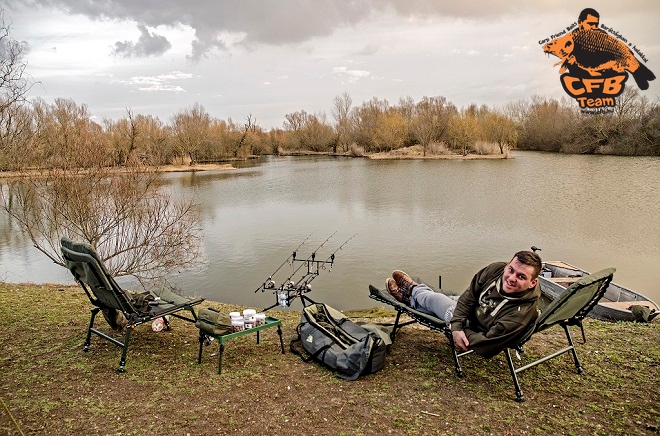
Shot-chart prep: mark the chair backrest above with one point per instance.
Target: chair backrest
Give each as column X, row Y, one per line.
column 88, row 269
column 574, row 304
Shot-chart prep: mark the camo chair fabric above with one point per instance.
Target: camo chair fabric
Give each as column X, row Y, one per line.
column 107, row 296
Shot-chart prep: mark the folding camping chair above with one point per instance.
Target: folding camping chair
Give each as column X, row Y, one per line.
column 567, row 309
column 107, row 296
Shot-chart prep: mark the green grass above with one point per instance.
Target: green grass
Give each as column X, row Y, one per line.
column 51, row 387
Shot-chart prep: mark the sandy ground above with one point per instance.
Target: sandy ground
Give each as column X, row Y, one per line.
column 393, row 156
column 191, row 168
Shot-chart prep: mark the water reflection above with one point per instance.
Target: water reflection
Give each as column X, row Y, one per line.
column 428, row 217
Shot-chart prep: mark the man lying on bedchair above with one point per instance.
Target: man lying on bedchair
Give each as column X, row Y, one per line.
column 493, row 312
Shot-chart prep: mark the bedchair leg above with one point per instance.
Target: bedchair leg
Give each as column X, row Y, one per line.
column 88, row 340
column 396, row 325
column 454, row 354
column 519, row 394
column 578, row 364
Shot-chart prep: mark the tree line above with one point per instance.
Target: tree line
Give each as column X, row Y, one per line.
column 62, row 133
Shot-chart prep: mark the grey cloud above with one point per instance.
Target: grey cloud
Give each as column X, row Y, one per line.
column 369, row 49
column 261, row 22
column 149, row 44
column 290, row 21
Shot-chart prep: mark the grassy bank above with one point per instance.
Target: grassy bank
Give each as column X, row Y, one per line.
column 51, row 387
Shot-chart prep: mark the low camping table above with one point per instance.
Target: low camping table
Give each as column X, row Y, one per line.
column 269, row 323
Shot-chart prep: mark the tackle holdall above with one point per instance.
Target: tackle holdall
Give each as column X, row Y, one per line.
column 329, row 337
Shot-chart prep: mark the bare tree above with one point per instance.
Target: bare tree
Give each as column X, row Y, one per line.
column 294, row 124
column 250, row 125
column 65, row 137
column 137, row 228
column 15, row 126
column 341, row 111
column 317, row 134
column 126, row 132
column 500, row 129
column 463, row 131
column 14, row 81
column 295, row 121
column 157, row 140
column 430, row 120
column 191, row 127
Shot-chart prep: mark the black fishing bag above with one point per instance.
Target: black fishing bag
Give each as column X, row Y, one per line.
column 328, row 336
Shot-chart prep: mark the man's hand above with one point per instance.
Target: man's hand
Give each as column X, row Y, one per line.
column 460, row 340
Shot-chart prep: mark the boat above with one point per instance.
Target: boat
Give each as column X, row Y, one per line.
column 615, row 305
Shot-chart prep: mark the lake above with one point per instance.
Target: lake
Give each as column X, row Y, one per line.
column 426, row 217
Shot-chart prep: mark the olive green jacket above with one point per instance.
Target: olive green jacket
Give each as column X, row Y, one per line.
column 492, row 321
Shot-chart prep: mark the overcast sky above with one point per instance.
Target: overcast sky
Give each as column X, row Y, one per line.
column 269, row 58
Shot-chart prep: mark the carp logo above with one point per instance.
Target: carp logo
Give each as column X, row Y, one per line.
column 595, row 62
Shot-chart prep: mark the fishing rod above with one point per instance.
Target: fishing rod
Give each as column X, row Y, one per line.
column 269, row 283
column 311, row 259
column 303, row 283
column 289, row 290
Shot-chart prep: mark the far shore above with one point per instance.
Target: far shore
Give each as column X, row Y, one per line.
column 119, row 170
column 405, row 153
column 392, row 156
column 400, row 154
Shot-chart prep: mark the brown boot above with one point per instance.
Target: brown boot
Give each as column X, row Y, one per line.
column 393, row 289
column 405, row 284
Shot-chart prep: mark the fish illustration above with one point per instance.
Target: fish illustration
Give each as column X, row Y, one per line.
column 594, row 51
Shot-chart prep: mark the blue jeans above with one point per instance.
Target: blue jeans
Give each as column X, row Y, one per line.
column 425, row 299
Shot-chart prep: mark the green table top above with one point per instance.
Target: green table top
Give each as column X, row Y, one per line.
column 270, row 322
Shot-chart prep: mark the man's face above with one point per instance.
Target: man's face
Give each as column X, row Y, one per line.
column 589, row 23
column 517, row 277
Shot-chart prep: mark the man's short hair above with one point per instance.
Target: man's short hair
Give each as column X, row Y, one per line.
column 588, row 11
column 532, row 259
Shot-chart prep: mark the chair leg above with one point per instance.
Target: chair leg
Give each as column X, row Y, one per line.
column 122, row 361
column 167, row 324
column 454, row 354
column 201, row 344
column 578, row 364
column 88, row 340
column 279, row 332
column 396, row 324
column 222, row 350
column 519, row 394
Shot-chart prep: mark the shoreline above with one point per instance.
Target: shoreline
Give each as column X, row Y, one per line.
column 120, row 170
column 406, row 153
column 399, row 154
column 386, row 156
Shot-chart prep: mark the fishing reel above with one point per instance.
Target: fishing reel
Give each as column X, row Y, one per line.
column 289, row 289
column 269, row 283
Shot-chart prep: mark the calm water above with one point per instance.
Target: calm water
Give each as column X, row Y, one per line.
column 425, row 217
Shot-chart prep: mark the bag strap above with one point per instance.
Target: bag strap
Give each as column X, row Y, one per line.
column 300, row 351
column 296, row 344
